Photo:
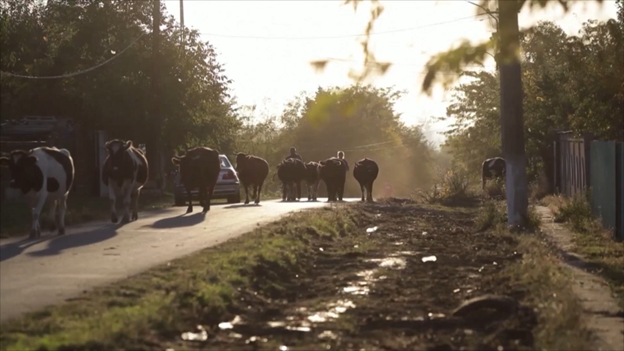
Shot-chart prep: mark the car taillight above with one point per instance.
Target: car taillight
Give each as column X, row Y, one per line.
column 229, row 175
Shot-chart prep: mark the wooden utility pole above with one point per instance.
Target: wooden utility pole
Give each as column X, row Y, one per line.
column 512, row 124
column 154, row 149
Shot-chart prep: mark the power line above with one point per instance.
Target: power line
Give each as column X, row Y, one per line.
column 340, row 36
column 69, row 75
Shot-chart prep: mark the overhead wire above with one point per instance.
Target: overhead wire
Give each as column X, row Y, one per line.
column 339, row 36
column 73, row 74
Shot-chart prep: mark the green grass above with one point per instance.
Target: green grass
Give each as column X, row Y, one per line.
column 16, row 218
column 161, row 302
column 599, row 249
column 546, row 287
column 540, row 280
column 152, row 309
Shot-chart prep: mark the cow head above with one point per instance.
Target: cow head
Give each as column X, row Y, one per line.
column 23, row 169
column 116, row 150
column 241, row 160
column 186, row 167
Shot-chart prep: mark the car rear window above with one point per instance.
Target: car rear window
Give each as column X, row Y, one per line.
column 224, row 162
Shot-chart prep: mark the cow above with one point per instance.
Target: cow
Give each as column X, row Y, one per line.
column 312, row 178
column 125, row 172
column 291, row 172
column 492, row 168
column 252, row 171
column 333, row 172
column 40, row 174
column 199, row 168
column 365, row 172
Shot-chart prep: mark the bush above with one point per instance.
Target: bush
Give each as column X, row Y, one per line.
column 577, row 212
column 495, row 188
column 451, row 187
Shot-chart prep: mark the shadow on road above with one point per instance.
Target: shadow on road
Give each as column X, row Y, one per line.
column 178, row 221
column 242, row 205
column 15, row 248
column 58, row 244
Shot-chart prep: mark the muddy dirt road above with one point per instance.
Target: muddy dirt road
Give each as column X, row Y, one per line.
column 394, row 288
column 50, row 270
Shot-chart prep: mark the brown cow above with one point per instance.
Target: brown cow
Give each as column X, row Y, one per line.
column 252, row 170
column 365, row 172
column 200, row 169
column 312, row 179
column 333, row 172
column 291, row 172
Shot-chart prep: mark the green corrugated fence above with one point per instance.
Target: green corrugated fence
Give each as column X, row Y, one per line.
column 607, row 178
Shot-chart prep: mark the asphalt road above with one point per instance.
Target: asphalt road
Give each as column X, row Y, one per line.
column 52, row 269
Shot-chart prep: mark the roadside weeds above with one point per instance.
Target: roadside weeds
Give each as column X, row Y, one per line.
column 377, row 276
column 603, row 254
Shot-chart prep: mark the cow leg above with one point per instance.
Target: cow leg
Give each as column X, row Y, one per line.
column 362, row 189
column 246, row 193
column 254, row 196
column 259, row 191
column 35, row 231
column 283, row 191
column 189, row 209
column 60, row 214
column 113, row 201
column 126, row 204
column 330, row 192
column 370, row 192
column 340, row 191
column 52, row 216
column 298, row 190
column 209, row 191
column 135, row 204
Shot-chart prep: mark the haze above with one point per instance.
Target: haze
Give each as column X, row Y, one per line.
column 266, row 46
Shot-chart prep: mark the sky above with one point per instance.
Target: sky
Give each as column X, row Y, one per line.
column 266, row 46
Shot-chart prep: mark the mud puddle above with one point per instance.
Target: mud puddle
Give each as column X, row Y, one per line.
column 394, row 284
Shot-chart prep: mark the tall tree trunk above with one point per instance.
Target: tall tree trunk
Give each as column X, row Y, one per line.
column 512, row 125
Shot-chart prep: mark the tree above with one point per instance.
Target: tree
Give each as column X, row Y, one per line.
column 359, row 120
column 451, row 64
column 568, row 84
column 59, row 37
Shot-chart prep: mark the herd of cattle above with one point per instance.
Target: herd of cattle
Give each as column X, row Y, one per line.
column 47, row 173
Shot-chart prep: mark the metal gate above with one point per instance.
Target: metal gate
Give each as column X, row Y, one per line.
column 571, row 176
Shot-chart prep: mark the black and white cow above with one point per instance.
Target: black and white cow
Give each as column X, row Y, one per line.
column 125, row 172
column 492, row 168
column 40, row 174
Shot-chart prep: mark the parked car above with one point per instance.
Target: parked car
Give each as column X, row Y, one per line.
column 228, row 185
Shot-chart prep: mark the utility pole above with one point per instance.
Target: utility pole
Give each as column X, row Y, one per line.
column 182, row 21
column 154, row 149
column 512, row 124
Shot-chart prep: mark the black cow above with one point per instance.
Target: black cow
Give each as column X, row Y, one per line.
column 125, row 172
column 40, row 174
column 199, row 168
column 291, row 172
column 252, row 171
column 365, row 172
column 312, row 179
column 333, row 172
column 492, row 168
